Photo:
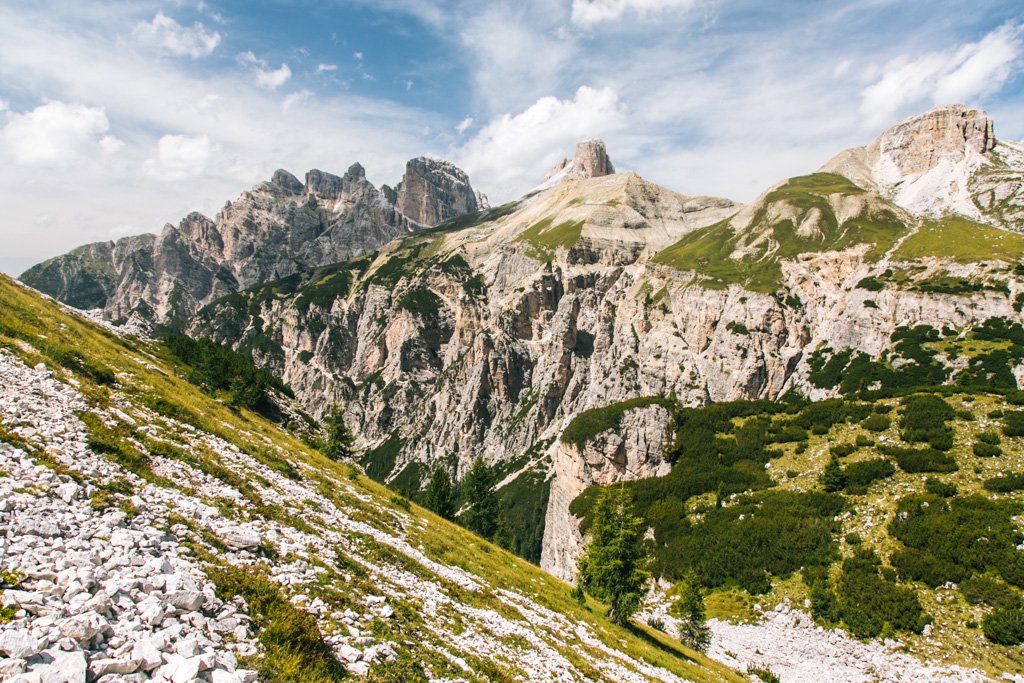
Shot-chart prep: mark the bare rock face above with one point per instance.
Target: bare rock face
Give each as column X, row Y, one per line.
column 433, row 191
column 276, row 229
column 590, row 161
column 954, row 132
column 631, row 452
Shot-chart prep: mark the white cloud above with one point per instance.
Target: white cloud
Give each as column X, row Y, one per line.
column 164, row 31
column 358, row 56
column 962, row 74
column 292, row 99
column 590, row 12
column 58, row 134
column 321, row 68
column 180, row 156
column 512, row 152
column 4, row 105
column 268, row 78
column 531, row 58
column 464, row 125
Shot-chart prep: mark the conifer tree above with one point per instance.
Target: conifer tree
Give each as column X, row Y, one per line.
column 833, row 478
column 611, row 569
column 481, row 513
column 440, row 494
column 338, row 444
column 689, row 611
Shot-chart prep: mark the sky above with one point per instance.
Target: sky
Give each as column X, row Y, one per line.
column 119, row 117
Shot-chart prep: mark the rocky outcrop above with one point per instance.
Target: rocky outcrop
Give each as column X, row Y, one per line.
column 590, row 161
column 278, row 228
column 947, row 160
column 632, row 451
column 433, row 191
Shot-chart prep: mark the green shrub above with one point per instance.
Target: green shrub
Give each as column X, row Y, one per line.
column 990, row 438
column 860, row 475
column 956, row 537
column 1013, row 423
column 986, row 450
column 864, row 441
column 924, row 419
column 842, row 450
column 939, row 487
column 294, row 649
column 1005, row 626
column 877, row 422
column 983, row 589
column 1006, row 484
column 921, row 459
column 868, row 603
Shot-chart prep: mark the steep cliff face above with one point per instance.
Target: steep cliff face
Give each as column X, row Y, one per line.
column 274, row 230
column 631, row 451
column 434, row 191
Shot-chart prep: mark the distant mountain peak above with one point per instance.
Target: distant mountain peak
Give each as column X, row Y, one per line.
column 591, row 160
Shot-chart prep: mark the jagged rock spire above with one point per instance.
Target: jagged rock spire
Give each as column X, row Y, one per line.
column 590, row 161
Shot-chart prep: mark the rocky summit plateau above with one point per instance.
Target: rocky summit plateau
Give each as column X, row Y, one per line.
column 246, row 447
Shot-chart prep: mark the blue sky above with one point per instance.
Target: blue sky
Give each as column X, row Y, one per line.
column 117, row 117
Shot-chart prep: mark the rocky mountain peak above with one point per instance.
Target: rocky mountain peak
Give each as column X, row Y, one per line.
column 433, row 191
column 355, row 171
column 951, row 132
column 590, row 161
column 286, row 181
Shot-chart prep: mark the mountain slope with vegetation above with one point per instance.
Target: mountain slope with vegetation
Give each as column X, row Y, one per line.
column 263, row 554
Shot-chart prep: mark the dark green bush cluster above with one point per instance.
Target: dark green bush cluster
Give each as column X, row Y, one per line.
column 763, row 535
column 1006, row 484
column 421, row 302
column 866, row 602
column 924, row 419
column 982, row 589
column 921, row 459
column 76, row 362
column 986, row 450
column 860, row 475
column 1013, row 423
column 876, row 422
column 950, row 539
column 939, row 487
column 215, row 367
column 1005, row 626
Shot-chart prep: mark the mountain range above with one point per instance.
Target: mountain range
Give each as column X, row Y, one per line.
column 448, row 331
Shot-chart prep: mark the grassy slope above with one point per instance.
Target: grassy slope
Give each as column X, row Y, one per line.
column 955, row 642
column 29, row 319
column 707, row 251
column 963, row 241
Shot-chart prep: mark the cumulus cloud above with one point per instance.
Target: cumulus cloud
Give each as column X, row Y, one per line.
column 961, row 74
column 180, row 156
column 268, row 78
column 590, row 12
column 58, row 134
column 512, row 152
column 164, row 31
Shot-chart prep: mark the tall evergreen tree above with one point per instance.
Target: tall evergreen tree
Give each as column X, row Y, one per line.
column 440, row 494
column 611, row 569
column 481, row 513
column 688, row 609
column 833, row 478
column 338, row 444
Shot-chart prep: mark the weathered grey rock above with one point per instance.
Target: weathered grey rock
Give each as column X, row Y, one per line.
column 18, row 644
column 240, row 537
column 58, row 666
column 100, row 667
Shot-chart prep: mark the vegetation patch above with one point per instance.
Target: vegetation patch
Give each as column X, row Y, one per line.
column 590, row 423
column 961, row 240
column 544, row 239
